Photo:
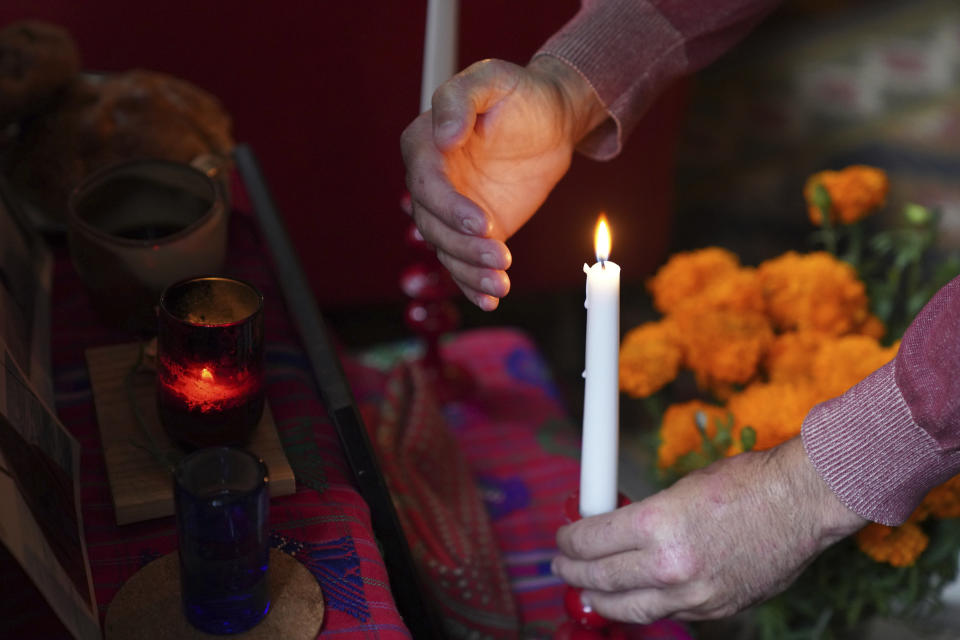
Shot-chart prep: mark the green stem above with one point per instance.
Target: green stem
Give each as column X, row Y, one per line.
column 821, row 199
column 830, row 239
column 855, row 250
column 653, row 406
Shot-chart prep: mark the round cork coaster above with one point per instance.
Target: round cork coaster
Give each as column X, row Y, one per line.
column 147, row 607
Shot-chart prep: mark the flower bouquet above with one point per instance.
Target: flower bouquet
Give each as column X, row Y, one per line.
column 763, row 345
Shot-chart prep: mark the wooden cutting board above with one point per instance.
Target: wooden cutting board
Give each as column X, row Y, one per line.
column 139, row 482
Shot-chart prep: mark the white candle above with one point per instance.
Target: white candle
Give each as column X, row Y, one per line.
column 439, row 47
column 601, row 397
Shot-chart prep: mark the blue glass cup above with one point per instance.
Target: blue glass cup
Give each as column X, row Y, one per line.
column 222, row 504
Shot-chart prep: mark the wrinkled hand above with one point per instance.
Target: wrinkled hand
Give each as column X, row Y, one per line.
column 485, row 157
column 717, row 541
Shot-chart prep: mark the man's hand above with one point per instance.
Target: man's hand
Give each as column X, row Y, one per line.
column 485, row 157
column 717, row 541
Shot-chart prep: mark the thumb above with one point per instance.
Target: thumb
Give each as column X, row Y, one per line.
column 472, row 92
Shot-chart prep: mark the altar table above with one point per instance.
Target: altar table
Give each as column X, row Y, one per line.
column 513, row 430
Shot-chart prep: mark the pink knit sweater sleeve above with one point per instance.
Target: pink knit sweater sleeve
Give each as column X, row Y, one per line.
column 630, row 50
column 886, row 442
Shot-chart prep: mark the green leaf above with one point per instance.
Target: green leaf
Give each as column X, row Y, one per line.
column 853, row 611
column 913, row 579
column 748, row 438
column 821, row 200
column 820, row 626
column 723, row 438
column 917, row 214
column 946, row 271
column 882, row 242
column 690, row 461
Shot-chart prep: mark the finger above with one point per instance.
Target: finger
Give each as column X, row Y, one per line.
column 491, row 282
column 641, row 606
column 457, row 103
column 433, row 192
column 603, row 535
column 430, row 187
column 618, row 572
column 479, row 252
column 482, row 300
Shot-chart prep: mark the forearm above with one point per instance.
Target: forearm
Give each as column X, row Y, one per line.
column 817, row 505
column 629, row 51
column 890, row 439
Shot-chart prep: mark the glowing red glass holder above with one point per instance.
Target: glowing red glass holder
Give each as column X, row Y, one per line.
column 210, row 361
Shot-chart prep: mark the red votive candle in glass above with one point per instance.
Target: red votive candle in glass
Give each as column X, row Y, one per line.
column 210, row 361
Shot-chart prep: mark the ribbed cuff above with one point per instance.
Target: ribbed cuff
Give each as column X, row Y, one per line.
column 871, row 452
column 627, row 51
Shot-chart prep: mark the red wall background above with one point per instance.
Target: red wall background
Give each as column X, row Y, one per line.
column 322, row 90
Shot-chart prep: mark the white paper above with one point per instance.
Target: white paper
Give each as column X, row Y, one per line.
column 42, row 525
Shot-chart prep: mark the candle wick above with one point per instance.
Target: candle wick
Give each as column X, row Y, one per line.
column 603, row 263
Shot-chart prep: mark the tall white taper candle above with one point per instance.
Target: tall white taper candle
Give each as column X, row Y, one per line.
column 439, row 47
column 601, row 397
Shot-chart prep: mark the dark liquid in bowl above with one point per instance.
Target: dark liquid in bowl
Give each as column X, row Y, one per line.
column 150, row 231
column 139, row 208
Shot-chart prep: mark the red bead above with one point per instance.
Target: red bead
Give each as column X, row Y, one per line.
column 573, row 631
column 415, row 241
column 427, row 283
column 431, row 318
column 581, row 614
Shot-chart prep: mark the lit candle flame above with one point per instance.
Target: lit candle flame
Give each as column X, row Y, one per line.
column 601, row 240
column 206, row 375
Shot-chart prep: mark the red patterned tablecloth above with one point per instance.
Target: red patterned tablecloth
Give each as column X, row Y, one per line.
column 513, row 431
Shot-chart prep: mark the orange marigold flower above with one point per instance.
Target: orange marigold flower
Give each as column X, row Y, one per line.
column 843, row 362
column 721, row 346
column 943, row 501
column 898, row 546
column 919, row 514
column 855, row 192
column 813, row 292
column 740, row 290
column 790, row 358
column 649, row 359
column 774, row 410
column 687, row 274
column 872, row 327
column 678, row 430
